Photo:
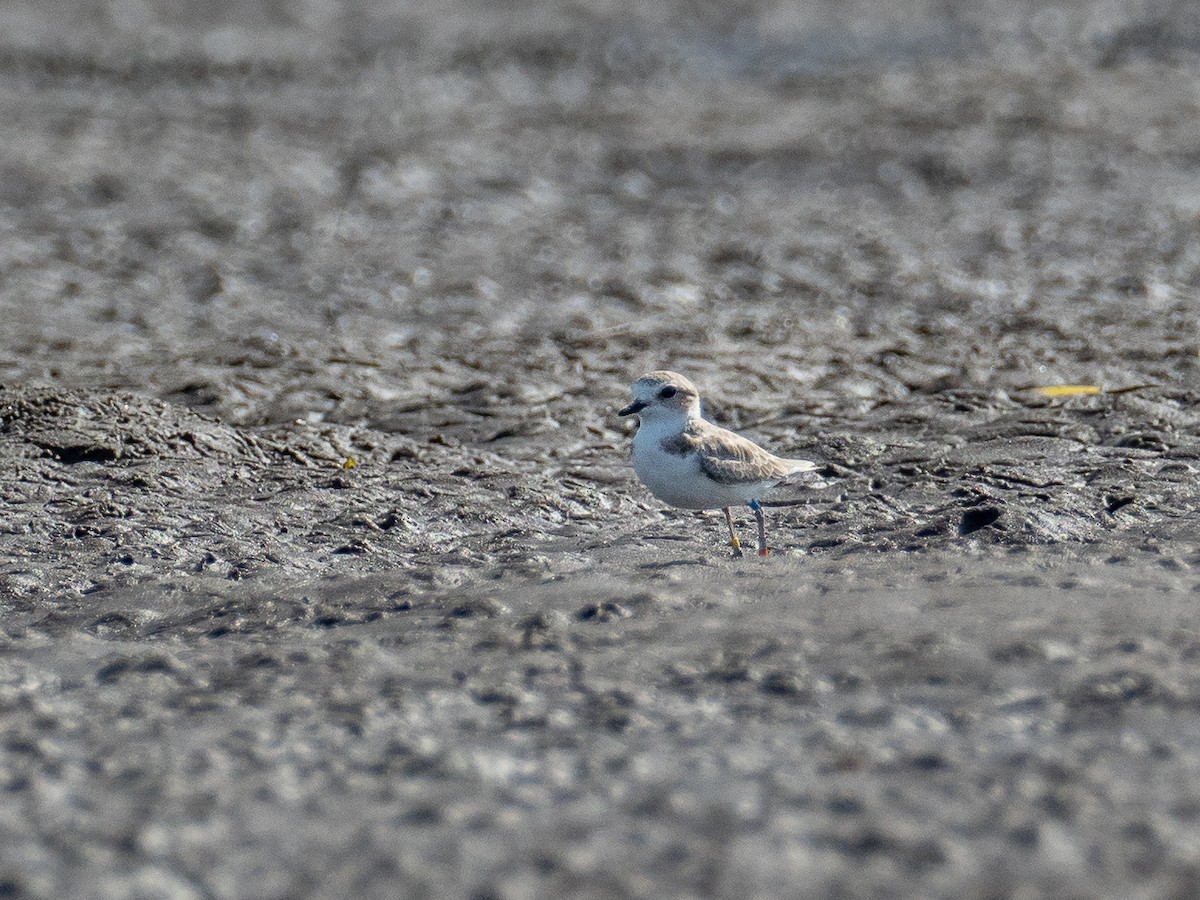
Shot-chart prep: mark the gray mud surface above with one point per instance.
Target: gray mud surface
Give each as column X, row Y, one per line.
column 322, row 569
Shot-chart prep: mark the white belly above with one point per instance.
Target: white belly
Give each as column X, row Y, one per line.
column 678, row 481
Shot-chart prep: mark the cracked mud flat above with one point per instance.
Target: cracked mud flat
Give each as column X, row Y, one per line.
column 322, row 569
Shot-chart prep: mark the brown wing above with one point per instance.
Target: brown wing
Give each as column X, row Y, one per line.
column 729, row 458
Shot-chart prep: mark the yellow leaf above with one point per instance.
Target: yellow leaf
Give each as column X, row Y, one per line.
column 349, row 463
column 1068, row 390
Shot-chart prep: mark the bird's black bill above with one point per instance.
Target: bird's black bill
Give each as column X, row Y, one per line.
column 635, row 407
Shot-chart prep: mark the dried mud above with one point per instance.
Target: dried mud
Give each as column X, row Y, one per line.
column 322, row 568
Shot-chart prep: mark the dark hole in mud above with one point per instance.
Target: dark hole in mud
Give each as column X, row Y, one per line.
column 1115, row 503
column 77, row 453
column 928, row 762
column 974, row 519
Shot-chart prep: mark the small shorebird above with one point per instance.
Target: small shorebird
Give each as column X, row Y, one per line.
column 691, row 463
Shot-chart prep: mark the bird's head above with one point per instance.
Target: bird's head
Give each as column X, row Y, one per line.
column 663, row 396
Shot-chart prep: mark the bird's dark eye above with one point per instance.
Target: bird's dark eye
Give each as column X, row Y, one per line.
column 667, row 393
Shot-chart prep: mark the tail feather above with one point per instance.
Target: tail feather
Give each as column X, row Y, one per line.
column 800, row 475
column 800, row 465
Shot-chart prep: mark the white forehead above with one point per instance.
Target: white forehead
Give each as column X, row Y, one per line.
column 645, row 388
column 648, row 386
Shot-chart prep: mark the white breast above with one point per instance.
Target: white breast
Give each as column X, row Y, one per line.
column 678, row 480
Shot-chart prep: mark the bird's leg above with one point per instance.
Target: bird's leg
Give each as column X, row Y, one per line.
column 762, row 528
column 733, row 538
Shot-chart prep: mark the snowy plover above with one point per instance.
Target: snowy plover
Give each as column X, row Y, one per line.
column 688, row 462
